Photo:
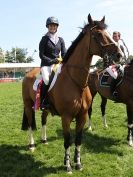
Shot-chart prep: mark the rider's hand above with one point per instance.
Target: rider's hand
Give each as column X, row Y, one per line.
column 59, row 59
column 56, row 61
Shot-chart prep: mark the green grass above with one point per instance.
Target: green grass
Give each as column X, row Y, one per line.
column 104, row 152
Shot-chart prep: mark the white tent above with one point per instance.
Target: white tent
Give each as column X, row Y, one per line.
column 15, row 71
column 18, row 66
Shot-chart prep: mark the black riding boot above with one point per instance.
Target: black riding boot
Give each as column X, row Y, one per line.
column 44, row 100
column 114, row 94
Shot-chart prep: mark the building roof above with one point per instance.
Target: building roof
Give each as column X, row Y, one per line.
column 18, row 66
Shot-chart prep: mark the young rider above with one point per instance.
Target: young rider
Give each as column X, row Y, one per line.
column 50, row 48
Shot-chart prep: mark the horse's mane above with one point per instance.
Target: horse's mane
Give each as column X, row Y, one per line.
column 70, row 50
column 100, row 25
column 72, row 47
column 32, row 73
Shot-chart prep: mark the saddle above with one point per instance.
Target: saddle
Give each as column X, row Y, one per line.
column 106, row 79
column 39, row 88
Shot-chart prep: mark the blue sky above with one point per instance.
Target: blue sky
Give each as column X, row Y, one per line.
column 23, row 22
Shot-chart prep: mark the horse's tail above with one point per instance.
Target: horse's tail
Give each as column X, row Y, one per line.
column 25, row 124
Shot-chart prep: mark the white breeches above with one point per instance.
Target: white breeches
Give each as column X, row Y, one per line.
column 46, row 72
column 112, row 72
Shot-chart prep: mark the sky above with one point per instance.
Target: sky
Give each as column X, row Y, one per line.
column 22, row 22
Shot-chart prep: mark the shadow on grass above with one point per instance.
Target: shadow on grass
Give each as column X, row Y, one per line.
column 15, row 164
column 58, row 136
column 96, row 143
column 99, row 144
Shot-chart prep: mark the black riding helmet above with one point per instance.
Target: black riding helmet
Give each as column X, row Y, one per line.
column 51, row 20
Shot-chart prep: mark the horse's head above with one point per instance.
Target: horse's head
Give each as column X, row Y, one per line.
column 100, row 41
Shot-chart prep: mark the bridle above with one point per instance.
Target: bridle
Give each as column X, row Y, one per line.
column 103, row 53
column 102, row 46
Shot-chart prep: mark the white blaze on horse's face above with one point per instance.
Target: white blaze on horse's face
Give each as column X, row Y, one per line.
column 112, row 41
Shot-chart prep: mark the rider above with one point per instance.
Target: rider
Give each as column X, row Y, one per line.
column 117, row 38
column 50, row 48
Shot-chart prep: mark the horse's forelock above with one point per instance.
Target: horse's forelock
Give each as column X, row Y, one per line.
column 100, row 25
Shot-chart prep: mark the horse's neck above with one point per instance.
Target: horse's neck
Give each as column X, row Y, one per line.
column 79, row 63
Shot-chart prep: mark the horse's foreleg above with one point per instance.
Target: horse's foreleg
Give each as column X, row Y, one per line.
column 43, row 130
column 67, row 143
column 130, row 125
column 31, row 140
column 93, row 93
column 77, row 158
column 80, row 122
column 89, row 120
column 103, row 107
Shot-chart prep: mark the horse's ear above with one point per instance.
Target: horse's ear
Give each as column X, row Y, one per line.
column 103, row 19
column 90, row 20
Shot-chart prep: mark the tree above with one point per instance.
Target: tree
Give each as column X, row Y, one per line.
column 18, row 55
column 99, row 64
column 2, row 56
column 29, row 59
column 9, row 58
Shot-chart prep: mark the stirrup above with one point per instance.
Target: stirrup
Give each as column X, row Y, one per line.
column 44, row 105
column 115, row 96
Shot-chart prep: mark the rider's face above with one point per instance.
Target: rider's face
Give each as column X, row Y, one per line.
column 116, row 37
column 52, row 28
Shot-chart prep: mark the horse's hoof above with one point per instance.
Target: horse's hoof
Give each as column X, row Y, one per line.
column 130, row 144
column 105, row 126
column 69, row 170
column 44, row 141
column 90, row 129
column 32, row 147
column 79, row 167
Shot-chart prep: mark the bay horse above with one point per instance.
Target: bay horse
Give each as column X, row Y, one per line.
column 93, row 89
column 70, row 95
column 125, row 95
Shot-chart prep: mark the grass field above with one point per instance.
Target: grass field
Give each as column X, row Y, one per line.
column 104, row 152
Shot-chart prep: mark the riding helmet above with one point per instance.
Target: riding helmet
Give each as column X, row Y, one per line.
column 51, row 20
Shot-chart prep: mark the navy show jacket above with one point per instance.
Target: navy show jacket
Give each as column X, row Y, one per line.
column 49, row 52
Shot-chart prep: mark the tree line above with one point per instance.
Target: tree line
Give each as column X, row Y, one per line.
column 16, row 55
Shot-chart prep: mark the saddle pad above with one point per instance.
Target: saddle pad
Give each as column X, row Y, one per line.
column 104, row 80
column 57, row 71
column 112, row 71
column 37, row 81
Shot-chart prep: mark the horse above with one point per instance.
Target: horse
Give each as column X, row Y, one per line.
column 99, row 67
column 73, row 79
column 125, row 95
